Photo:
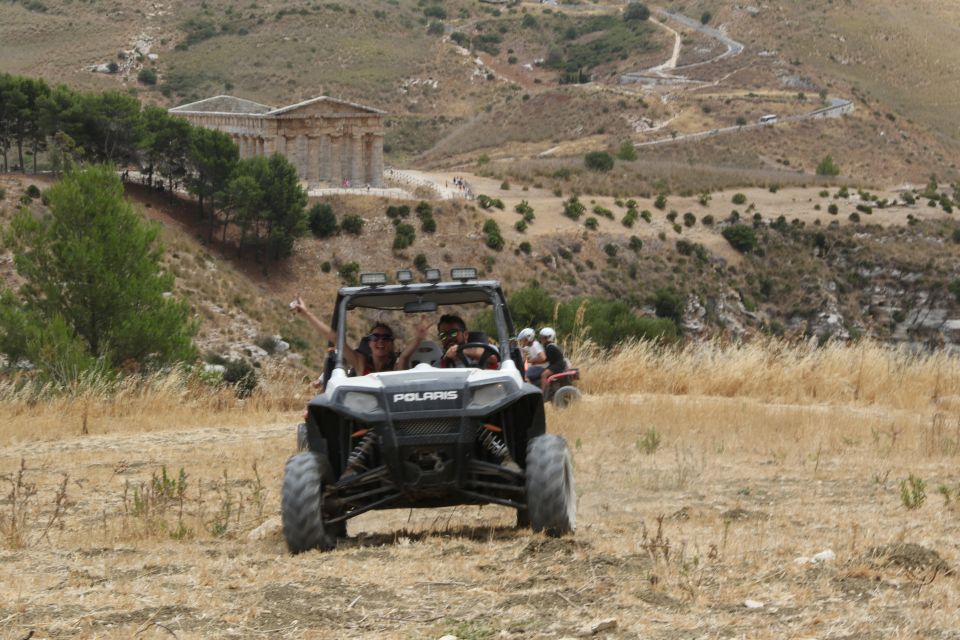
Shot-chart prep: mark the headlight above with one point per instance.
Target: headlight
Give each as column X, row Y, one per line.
column 359, row 402
column 487, row 395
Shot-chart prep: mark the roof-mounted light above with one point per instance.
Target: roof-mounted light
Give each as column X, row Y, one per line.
column 432, row 275
column 404, row 276
column 463, row 273
column 373, row 279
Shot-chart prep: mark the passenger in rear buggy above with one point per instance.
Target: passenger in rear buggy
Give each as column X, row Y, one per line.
column 556, row 362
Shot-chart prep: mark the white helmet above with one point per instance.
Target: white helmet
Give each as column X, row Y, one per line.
column 548, row 334
column 526, row 334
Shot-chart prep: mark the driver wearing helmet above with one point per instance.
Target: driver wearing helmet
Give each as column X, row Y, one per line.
column 556, row 362
column 452, row 331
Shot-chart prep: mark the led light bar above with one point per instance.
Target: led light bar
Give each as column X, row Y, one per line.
column 432, row 275
column 463, row 273
column 373, row 279
column 404, row 276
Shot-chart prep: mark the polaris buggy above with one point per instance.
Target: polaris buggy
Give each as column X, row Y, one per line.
column 427, row 436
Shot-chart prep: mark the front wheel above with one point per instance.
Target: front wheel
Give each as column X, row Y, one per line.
column 551, row 494
column 565, row 396
column 302, row 504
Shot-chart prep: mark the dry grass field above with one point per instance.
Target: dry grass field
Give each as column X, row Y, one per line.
column 703, row 475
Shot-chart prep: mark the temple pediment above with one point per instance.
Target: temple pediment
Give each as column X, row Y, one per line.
column 324, row 105
column 223, row 104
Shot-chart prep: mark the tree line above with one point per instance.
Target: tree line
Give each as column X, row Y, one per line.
column 260, row 198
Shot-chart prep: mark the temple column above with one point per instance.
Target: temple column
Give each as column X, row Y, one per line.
column 325, row 157
column 313, row 159
column 270, row 146
column 300, row 153
column 336, row 159
column 356, row 158
column 376, row 159
column 259, row 142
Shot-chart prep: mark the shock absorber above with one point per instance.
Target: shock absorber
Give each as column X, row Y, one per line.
column 489, row 440
column 360, row 456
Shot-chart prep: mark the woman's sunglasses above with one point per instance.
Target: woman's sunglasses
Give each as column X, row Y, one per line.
column 384, row 337
column 452, row 333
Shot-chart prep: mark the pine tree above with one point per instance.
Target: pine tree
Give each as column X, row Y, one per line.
column 93, row 282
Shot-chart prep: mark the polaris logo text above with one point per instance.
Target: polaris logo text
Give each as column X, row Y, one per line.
column 426, row 395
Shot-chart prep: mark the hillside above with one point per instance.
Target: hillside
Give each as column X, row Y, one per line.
column 892, row 275
column 462, row 79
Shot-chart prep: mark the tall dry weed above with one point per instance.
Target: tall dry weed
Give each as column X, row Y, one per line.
column 776, row 371
column 175, row 399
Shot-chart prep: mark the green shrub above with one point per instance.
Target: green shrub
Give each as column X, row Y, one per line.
column 325, row 266
column 404, row 236
column 669, row 303
column 147, row 76
column 348, row 272
column 526, row 247
column 854, row 217
column 322, row 220
column 487, row 202
column 494, row 241
column 352, row 223
column 424, row 209
column 636, row 11
column 627, row 151
column 833, row 209
column 707, row 220
column 33, row 191
column 435, row 28
column 610, row 249
column 739, row 199
column 956, row 235
column 689, row 219
column 741, row 237
column 661, row 201
column 828, row 167
column 603, row 211
column 629, row 218
column 523, row 208
column 865, row 208
column 598, row 161
column 573, row 208
column 397, row 212
column 435, row 11
column 242, row 376
column 428, row 225
column 635, row 244
column 646, row 215
column 520, row 226
column 913, row 492
column 591, row 223
column 420, row 262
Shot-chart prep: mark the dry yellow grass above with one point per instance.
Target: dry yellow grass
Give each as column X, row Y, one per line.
column 866, row 373
column 174, row 400
column 740, row 481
